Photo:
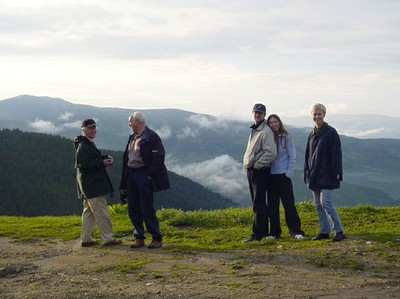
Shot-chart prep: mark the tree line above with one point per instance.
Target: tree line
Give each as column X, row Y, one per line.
column 38, row 178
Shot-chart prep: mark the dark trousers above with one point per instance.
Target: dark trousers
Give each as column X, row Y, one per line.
column 258, row 182
column 140, row 204
column 280, row 187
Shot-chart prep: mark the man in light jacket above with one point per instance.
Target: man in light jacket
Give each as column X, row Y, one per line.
column 260, row 153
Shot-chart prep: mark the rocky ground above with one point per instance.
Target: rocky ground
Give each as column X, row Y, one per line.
column 349, row 269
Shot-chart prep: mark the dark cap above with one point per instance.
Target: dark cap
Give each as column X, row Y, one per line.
column 88, row 122
column 259, row 108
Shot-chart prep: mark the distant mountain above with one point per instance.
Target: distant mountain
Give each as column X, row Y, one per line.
column 38, row 178
column 209, row 150
column 360, row 126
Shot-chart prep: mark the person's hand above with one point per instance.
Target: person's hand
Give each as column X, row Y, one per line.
column 108, row 162
column 122, row 196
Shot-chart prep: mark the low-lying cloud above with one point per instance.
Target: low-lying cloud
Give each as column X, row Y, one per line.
column 164, row 132
column 44, row 126
column 366, row 133
column 222, row 174
column 66, row 116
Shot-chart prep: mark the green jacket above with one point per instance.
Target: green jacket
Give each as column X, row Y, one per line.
column 91, row 175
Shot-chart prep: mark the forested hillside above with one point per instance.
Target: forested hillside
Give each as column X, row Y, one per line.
column 38, row 178
column 209, row 150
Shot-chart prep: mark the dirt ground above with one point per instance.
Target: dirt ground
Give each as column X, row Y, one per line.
column 348, row 269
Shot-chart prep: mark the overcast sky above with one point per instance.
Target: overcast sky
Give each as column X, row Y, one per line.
column 214, row 57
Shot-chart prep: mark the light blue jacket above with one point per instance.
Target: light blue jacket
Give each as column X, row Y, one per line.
column 286, row 158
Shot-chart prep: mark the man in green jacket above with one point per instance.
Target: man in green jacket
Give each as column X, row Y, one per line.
column 93, row 186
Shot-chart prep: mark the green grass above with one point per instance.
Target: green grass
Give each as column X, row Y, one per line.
column 213, row 230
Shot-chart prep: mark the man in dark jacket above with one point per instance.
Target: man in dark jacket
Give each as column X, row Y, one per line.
column 323, row 173
column 93, row 185
column 143, row 173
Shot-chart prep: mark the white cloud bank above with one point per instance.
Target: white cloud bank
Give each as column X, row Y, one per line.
column 44, row 126
column 213, row 57
column 222, row 174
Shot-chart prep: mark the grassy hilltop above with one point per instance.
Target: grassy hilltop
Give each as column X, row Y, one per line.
column 212, row 230
column 202, row 257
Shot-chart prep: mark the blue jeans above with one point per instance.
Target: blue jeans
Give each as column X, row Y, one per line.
column 327, row 214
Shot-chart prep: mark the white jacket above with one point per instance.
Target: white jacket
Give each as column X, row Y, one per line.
column 261, row 148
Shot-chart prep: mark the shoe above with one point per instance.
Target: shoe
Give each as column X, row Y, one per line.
column 270, row 238
column 339, row 236
column 251, row 239
column 90, row 243
column 298, row 237
column 113, row 242
column 137, row 243
column 154, row 244
column 320, row 236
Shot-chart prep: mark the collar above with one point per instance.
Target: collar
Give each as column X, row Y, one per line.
column 256, row 125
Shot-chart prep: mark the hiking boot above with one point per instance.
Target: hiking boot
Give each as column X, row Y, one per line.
column 154, row 244
column 320, row 236
column 112, row 243
column 89, row 244
column 137, row 243
column 339, row 236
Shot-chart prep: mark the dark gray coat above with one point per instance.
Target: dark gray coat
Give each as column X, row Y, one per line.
column 323, row 159
column 153, row 155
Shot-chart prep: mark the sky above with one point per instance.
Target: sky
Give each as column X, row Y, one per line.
column 213, row 57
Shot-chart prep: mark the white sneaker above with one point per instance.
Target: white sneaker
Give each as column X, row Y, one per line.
column 299, row 237
column 270, row 237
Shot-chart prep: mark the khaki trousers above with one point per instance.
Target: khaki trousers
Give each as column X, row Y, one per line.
column 95, row 211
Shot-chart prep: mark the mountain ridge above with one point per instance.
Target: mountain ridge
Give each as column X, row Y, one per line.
column 209, row 150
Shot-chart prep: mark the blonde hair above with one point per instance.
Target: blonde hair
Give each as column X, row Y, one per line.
column 316, row 107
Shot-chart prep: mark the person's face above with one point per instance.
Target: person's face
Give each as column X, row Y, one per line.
column 318, row 118
column 134, row 125
column 273, row 123
column 258, row 116
column 90, row 131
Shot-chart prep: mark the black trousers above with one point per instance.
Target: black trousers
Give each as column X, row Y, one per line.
column 280, row 187
column 258, row 183
column 140, row 204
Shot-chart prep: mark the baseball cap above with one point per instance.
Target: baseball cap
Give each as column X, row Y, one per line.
column 88, row 123
column 259, row 108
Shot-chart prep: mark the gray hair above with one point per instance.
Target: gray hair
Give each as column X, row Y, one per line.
column 138, row 116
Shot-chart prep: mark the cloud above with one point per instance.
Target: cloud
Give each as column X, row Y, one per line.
column 335, row 108
column 164, row 132
column 366, row 133
column 222, row 174
column 72, row 125
column 204, row 121
column 214, row 57
column 66, row 116
column 44, row 126
column 187, row 132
